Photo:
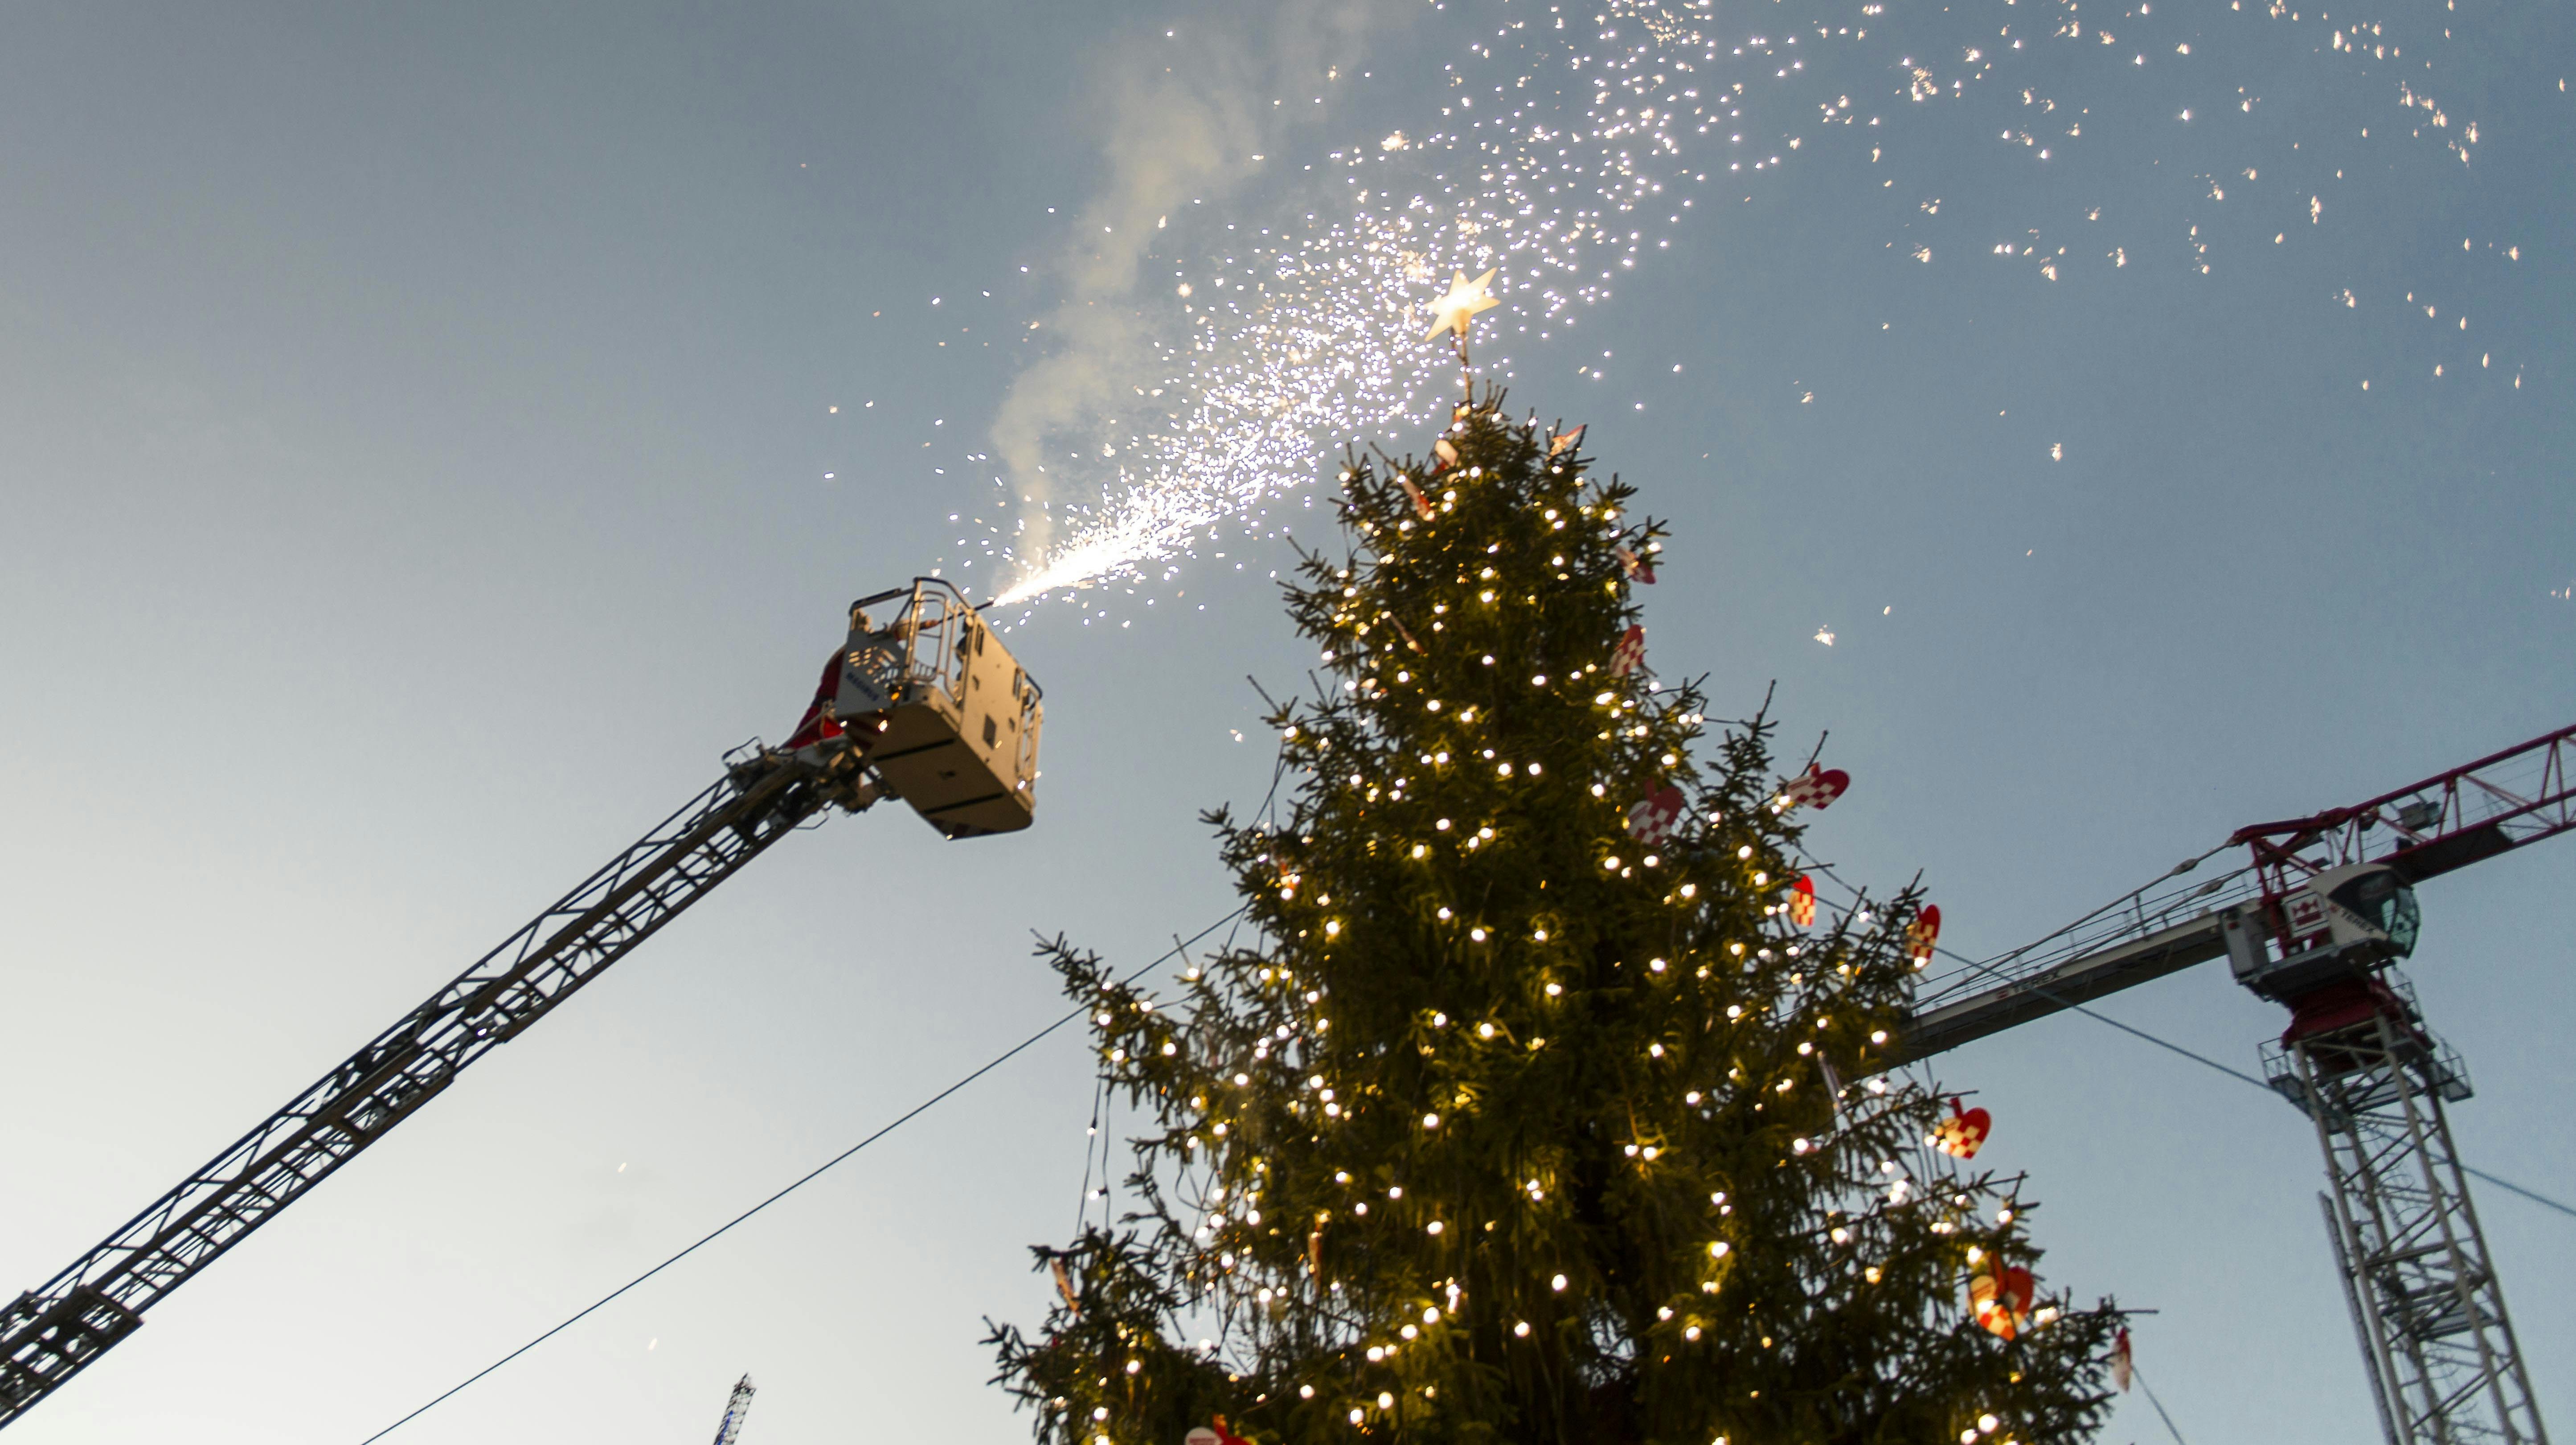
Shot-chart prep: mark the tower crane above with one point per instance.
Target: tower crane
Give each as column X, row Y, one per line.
column 922, row 703
column 2316, row 919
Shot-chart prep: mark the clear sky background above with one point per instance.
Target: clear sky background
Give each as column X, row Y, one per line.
column 414, row 423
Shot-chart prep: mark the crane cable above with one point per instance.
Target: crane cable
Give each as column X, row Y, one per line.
column 1991, row 971
column 1176, row 951
column 2170, row 1428
column 809, row 1177
column 1180, row 948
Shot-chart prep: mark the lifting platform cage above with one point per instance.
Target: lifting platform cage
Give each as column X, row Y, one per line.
column 948, row 719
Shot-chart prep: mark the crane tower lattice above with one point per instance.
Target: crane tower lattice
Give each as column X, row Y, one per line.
column 2314, row 920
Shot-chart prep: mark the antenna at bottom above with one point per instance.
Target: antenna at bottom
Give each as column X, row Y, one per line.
column 735, row 1409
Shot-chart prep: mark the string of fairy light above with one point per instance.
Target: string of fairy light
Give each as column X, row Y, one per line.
column 1228, row 1219
column 1571, row 142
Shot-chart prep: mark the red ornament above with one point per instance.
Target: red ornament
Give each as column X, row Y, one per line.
column 1421, row 503
column 1802, row 902
column 2002, row 1298
column 1637, row 568
column 1923, row 934
column 1815, row 788
column 2121, row 1364
column 1653, row 820
column 1964, row 1133
column 1220, row 1435
column 1631, row 651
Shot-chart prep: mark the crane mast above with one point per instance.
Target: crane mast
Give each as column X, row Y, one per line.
column 2436, row 1340
column 2315, row 921
column 927, row 707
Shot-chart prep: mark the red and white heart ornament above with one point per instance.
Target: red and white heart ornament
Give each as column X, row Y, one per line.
column 1802, row 902
column 1963, row 1133
column 1815, row 788
column 1630, row 654
column 1653, row 819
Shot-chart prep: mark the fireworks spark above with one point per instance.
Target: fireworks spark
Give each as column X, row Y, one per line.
column 1565, row 149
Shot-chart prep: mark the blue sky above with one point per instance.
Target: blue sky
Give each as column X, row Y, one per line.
column 416, row 426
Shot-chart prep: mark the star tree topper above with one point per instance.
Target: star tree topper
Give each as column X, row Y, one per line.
column 1452, row 312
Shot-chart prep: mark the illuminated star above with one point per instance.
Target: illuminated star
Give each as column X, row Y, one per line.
column 1452, row 312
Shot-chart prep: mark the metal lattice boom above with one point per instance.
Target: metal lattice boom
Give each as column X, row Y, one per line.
column 2439, row 1348
column 955, row 722
column 49, row 1334
column 2501, row 802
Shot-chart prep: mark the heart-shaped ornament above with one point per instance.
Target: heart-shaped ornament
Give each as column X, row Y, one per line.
column 1653, row 820
column 1631, row 651
column 1815, row 788
column 1964, row 1133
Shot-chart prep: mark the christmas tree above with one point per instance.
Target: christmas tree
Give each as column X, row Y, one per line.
column 1536, row 1114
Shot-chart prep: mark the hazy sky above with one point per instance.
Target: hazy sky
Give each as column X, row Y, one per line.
column 413, row 434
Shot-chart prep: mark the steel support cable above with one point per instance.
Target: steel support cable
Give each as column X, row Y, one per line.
column 2164, row 1043
column 2141, row 1378
column 1032, row 1040
column 2132, row 896
column 916, row 1111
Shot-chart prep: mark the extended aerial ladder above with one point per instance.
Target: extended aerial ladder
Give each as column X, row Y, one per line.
column 922, row 702
column 2315, row 919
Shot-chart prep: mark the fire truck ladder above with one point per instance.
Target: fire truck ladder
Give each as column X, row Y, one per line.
column 2436, row 1340
column 51, row 1333
column 914, row 688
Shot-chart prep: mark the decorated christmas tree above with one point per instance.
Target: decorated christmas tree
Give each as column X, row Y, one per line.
column 1545, row 1108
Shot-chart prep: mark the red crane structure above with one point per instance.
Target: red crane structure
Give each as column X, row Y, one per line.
column 925, row 705
column 2316, row 919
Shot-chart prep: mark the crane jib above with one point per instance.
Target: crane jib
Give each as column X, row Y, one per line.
column 2499, row 803
column 2315, row 921
column 2078, row 980
column 2458, row 850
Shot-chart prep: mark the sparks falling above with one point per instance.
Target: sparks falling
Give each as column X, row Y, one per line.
column 1564, row 149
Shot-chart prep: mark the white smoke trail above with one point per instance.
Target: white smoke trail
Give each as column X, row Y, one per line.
column 1564, row 149
column 1186, row 117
